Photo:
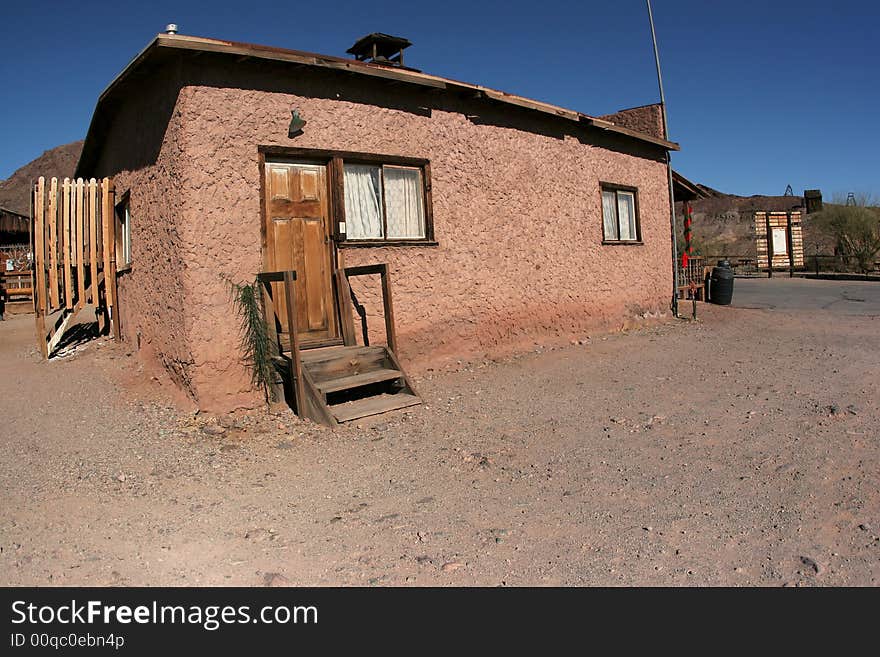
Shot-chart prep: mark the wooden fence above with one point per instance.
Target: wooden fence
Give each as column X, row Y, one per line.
column 74, row 255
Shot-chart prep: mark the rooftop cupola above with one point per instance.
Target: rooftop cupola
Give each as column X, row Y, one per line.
column 378, row 48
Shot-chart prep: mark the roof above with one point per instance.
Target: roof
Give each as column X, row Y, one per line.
column 17, row 214
column 685, row 190
column 13, row 222
column 179, row 42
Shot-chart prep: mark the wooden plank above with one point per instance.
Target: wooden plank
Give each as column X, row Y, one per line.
column 295, row 365
column 429, row 202
column 40, row 242
column 318, row 286
column 271, row 276
column 356, row 380
column 93, row 240
column 343, row 302
column 80, row 242
column 106, row 217
column 110, row 275
column 342, row 366
column 59, row 331
column 325, row 155
column 52, row 220
column 277, row 388
column 336, row 207
column 67, row 244
column 327, row 354
column 39, row 265
column 364, row 270
column 394, row 362
column 390, row 331
column 316, row 406
column 373, row 406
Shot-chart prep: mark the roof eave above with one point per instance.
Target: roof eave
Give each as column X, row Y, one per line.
column 201, row 44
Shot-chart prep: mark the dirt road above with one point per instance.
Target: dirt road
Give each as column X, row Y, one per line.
column 739, row 450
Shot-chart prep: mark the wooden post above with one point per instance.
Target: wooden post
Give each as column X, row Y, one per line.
column 390, row 334
column 93, row 240
column 268, row 304
column 109, row 198
column 52, row 221
column 66, row 193
column 80, row 242
column 769, row 246
column 790, row 243
column 106, row 247
column 39, row 221
column 343, row 301
column 270, row 314
column 295, row 364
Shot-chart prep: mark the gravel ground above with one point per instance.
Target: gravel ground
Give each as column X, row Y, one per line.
column 741, row 449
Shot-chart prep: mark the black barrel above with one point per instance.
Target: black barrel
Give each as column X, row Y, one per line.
column 721, row 284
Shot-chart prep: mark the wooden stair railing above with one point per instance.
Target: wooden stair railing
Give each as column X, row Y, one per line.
column 340, row 383
column 345, row 274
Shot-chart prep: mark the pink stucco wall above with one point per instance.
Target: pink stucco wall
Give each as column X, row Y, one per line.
column 517, row 214
column 143, row 152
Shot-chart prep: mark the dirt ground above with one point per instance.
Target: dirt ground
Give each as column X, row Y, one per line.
column 738, row 450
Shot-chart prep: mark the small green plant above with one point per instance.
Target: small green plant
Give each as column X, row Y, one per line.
column 257, row 348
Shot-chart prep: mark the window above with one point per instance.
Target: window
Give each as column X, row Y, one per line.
column 384, row 202
column 123, row 233
column 620, row 214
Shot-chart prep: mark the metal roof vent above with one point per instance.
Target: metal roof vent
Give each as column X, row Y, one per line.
column 171, row 28
column 378, row 48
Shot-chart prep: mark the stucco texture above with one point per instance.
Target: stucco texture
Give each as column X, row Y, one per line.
column 516, row 205
column 647, row 119
column 143, row 152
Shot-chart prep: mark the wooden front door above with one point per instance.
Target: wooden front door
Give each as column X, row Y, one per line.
column 298, row 238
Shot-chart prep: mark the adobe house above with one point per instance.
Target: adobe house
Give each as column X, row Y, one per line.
column 502, row 220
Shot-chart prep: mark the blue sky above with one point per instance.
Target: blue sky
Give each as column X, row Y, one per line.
column 760, row 94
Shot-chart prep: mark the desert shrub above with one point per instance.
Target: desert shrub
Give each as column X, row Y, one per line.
column 257, row 348
column 856, row 233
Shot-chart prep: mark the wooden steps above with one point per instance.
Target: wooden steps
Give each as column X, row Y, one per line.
column 344, row 383
column 357, row 380
column 373, row 406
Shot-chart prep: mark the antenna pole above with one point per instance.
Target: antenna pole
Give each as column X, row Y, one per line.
column 668, row 165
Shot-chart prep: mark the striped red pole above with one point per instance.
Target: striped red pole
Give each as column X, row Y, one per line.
column 688, row 217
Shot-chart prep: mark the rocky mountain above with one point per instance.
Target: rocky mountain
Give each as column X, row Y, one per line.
column 15, row 191
column 723, row 224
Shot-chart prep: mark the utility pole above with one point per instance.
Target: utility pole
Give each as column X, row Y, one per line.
column 668, row 166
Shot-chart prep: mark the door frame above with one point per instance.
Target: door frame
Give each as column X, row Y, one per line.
column 333, row 167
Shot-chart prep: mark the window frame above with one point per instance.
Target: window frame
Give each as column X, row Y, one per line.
column 384, row 198
column 615, row 188
column 381, row 162
column 122, row 217
column 334, row 160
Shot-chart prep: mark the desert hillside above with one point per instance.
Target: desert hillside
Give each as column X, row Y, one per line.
column 724, row 223
column 59, row 161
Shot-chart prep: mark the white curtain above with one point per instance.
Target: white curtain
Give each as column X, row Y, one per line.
column 627, row 215
column 404, row 203
column 363, row 202
column 609, row 216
